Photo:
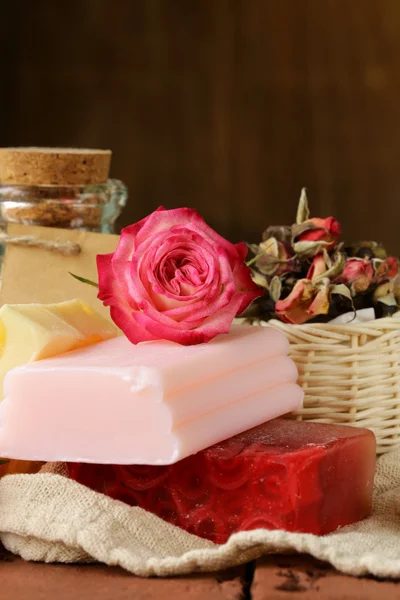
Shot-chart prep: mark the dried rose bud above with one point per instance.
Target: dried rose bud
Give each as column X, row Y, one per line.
column 273, row 257
column 386, row 269
column 312, row 236
column 358, row 274
column 305, row 301
column 325, row 266
column 318, row 267
column 283, row 233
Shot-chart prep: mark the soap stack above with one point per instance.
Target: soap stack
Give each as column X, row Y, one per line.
column 189, row 433
column 152, row 403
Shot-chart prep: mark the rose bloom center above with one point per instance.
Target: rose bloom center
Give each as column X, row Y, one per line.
column 182, row 275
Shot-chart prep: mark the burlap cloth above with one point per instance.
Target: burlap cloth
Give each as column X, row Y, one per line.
column 47, row 517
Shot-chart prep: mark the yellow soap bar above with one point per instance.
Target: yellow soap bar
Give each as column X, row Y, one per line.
column 30, row 332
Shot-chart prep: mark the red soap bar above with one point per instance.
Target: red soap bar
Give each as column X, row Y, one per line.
column 298, row 476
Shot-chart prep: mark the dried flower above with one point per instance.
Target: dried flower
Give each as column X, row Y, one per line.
column 314, row 235
column 318, row 267
column 396, row 288
column 303, row 211
column 306, row 300
column 282, row 233
column 307, row 273
column 358, row 274
column 273, row 257
column 260, row 279
column 275, row 288
column 366, row 250
column 386, row 269
column 323, row 266
column 383, row 290
column 384, row 299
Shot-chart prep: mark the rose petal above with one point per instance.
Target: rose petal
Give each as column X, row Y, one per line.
column 216, row 324
column 320, row 304
column 129, row 239
column 249, row 290
column 106, row 278
column 128, row 323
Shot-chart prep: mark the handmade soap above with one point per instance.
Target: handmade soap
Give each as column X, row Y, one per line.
column 31, row 332
column 297, row 476
column 150, row 403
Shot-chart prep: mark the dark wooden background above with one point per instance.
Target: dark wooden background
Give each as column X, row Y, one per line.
column 229, row 106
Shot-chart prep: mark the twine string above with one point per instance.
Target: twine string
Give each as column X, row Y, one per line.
column 66, row 248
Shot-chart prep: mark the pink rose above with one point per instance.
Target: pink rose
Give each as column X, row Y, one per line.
column 172, row 277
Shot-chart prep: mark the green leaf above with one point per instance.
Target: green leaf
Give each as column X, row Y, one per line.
column 3, row 462
column 83, row 280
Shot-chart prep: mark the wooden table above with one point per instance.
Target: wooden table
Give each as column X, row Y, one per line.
column 275, row 577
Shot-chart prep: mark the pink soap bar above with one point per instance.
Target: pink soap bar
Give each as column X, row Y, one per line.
column 153, row 403
column 297, row 476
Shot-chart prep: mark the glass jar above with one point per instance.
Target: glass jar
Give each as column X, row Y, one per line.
column 87, row 208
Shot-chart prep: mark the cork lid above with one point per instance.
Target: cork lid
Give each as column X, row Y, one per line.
column 54, row 166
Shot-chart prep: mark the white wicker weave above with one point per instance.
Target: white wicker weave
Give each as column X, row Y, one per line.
column 350, row 375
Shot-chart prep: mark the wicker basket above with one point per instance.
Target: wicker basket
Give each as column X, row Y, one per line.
column 350, row 375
